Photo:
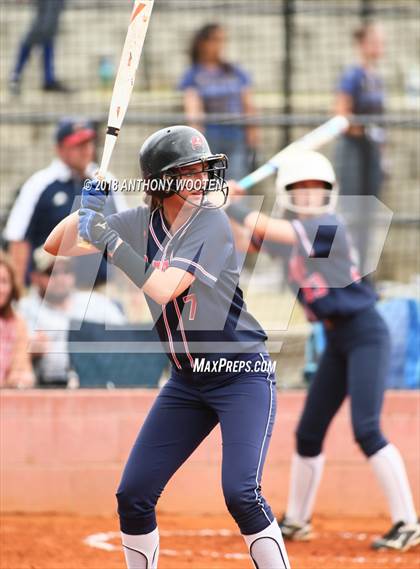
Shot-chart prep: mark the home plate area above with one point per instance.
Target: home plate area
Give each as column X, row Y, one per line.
column 193, row 542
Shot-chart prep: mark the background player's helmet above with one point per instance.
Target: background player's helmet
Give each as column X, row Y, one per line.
column 299, row 165
column 171, row 148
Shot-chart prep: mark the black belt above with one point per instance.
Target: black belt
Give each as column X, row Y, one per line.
column 334, row 321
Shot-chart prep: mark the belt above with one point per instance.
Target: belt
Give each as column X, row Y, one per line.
column 329, row 323
column 334, row 321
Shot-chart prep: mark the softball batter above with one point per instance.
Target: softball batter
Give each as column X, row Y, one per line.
column 355, row 361
column 180, row 251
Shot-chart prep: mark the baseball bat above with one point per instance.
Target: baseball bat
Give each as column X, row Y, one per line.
column 311, row 141
column 124, row 81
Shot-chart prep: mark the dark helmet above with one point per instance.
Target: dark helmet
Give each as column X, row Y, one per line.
column 171, row 148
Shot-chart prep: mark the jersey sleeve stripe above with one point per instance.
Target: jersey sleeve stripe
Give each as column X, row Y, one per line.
column 197, row 266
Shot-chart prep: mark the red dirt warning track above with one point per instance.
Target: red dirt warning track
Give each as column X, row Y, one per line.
column 59, row 542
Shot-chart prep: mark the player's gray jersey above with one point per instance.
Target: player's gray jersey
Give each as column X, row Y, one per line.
column 210, row 318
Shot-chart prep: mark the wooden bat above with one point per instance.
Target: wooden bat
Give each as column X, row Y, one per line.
column 311, row 141
column 124, row 81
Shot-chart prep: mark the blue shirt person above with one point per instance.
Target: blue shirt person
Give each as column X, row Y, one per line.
column 50, row 194
column 213, row 86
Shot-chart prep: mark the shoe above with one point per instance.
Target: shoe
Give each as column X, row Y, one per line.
column 57, row 87
column 294, row 530
column 400, row 537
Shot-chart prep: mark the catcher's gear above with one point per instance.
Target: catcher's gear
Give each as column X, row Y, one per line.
column 168, row 150
column 299, row 166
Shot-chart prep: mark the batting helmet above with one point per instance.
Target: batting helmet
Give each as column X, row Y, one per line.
column 298, row 166
column 171, row 148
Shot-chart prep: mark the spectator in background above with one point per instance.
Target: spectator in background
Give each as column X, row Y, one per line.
column 358, row 160
column 42, row 32
column 212, row 85
column 49, row 196
column 15, row 364
column 48, row 309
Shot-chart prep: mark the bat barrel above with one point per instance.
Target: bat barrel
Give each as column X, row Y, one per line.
column 310, row 141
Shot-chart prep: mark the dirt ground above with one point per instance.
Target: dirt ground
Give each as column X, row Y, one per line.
column 207, row 542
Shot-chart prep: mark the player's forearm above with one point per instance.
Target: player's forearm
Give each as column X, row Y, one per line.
column 64, row 239
column 262, row 225
column 343, row 104
column 161, row 286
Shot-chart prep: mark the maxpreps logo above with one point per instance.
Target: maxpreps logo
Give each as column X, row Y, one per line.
column 197, row 143
column 223, row 365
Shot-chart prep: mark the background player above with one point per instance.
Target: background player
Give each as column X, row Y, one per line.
column 180, row 251
column 356, row 357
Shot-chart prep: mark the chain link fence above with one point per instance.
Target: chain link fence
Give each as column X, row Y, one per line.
column 294, row 50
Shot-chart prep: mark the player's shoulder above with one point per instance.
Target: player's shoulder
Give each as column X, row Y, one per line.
column 210, row 226
column 316, row 221
column 214, row 219
column 131, row 216
column 129, row 224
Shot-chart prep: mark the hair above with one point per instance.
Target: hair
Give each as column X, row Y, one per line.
column 202, row 35
column 360, row 33
column 7, row 311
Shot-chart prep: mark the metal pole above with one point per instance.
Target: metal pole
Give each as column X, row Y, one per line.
column 288, row 23
column 366, row 9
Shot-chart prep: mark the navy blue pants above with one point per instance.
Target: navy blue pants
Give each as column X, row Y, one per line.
column 355, row 363
column 184, row 413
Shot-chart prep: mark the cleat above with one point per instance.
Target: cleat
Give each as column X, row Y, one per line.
column 400, row 537
column 295, row 531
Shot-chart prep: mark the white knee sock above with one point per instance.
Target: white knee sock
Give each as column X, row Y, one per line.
column 141, row 551
column 305, row 477
column 266, row 548
column 389, row 468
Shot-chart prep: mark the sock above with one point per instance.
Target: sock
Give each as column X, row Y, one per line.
column 389, row 469
column 49, row 76
column 305, row 477
column 141, row 551
column 266, row 548
column 23, row 56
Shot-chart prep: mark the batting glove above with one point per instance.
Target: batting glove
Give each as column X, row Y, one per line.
column 93, row 196
column 94, row 228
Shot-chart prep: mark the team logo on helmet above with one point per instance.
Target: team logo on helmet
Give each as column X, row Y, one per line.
column 197, row 142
